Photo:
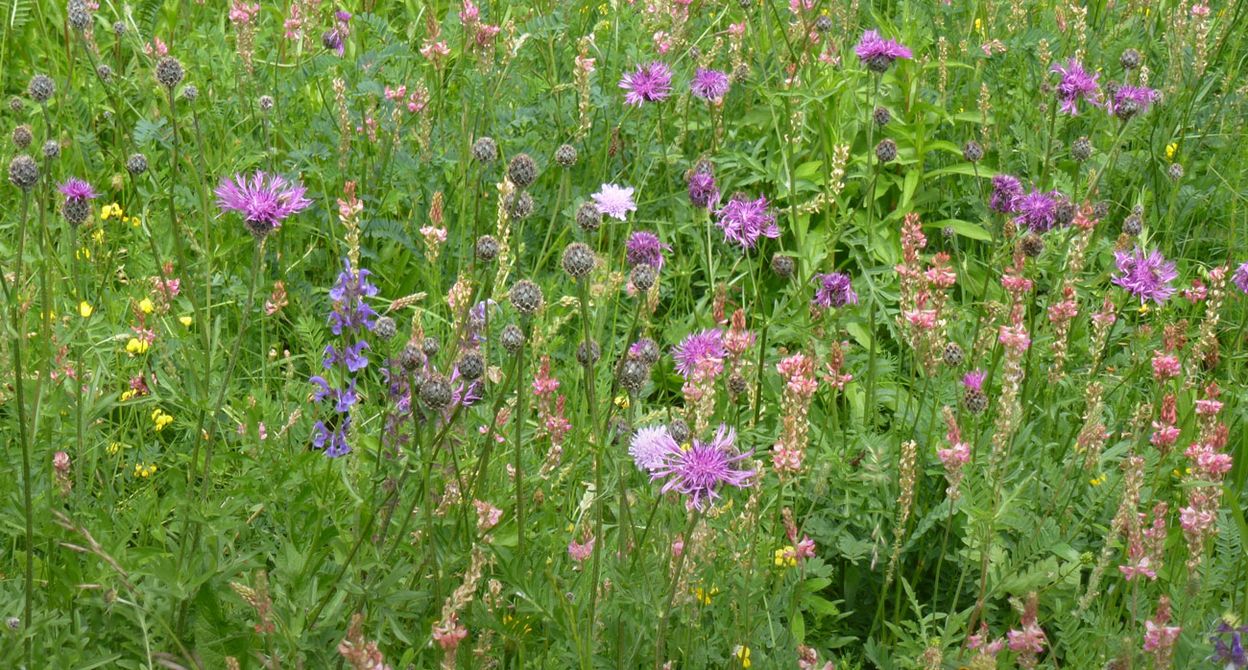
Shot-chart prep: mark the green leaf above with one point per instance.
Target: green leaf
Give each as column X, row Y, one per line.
column 963, row 228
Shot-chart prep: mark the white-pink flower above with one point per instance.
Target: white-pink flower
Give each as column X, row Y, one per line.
column 615, row 201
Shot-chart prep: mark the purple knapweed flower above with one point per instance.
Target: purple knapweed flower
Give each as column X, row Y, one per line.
column 264, row 200
column 1077, row 83
column 974, row 380
column 699, row 350
column 649, row 445
column 335, row 38
column 1127, row 100
column 651, row 82
column 1240, row 278
column 878, row 53
column 1005, row 192
column 703, row 193
column 615, row 201
column 744, row 221
column 709, row 84
column 1037, row 210
column 645, row 247
column 77, row 190
column 1147, row 276
column 701, row 470
column 834, row 290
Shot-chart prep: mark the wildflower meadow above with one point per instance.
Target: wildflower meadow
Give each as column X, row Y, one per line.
column 671, row 334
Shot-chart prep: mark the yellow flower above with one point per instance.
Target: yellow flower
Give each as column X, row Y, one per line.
column 160, row 419
column 146, row 306
column 141, row 470
column 1144, row 308
column 1170, row 149
column 979, row 25
column 137, row 346
column 786, row 557
column 114, row 447
column 621, row 401
column 128, row 394
column 85, row 309
column 112, row 211
column 185, row 320
column 1097, row 480
column 98, row 235
column 742, row 653
column 135, row 221
column 82, row 253
column 704, row 596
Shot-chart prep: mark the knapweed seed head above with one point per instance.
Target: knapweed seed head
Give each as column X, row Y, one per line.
column 881, row 116
column 519, row 205
column 385, row 328
column 783, row 266
column 169, row 72
column 1081, row 149
column 51, row 149
column 485, row 150
column 512, row 338
column 565, row 156
column 41, row 88
column 436, row 391
column 972, row 151
column 136, row 164
column 588, row 352
column 643, row 276
column 430, row 346
column 526, row 297
column 190, row 93
column 487, row 248
column 633, row 375
column 78, row 15
column 588, row 217
column 886, row 150
column 522, row 170
column 1130, row 59
column 22, row 137
column 953, row 355
column 471, row 365
column 23, row 172
column 265, row 103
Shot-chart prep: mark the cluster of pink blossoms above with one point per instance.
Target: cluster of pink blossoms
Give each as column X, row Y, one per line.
column 955, row 456
column 800, row 386
column 924, row 292
column 1209, row 465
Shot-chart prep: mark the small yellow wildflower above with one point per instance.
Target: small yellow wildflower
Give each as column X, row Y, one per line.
column 742, row 653
column 786, row 557
column 1097, row 480
column 137, row 346
column 85, row 309
column 141, row 470
column 112, row 211
column 160, row 419
column 98, row 236
column 1171, row 149
column 1144, row 308
column 82, row 253
column 128, row 394
column 134, row 221
column 146, row 306
column 621, row 401
column 114, row 447
column 185, row 320
column 979, row 25
column 704, row 596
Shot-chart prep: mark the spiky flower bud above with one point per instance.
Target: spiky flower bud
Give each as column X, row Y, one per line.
column 410, row 357
column 512, row 338
column 41, row 88
column 265, row 103
column 1032, row 245
column 1130, row 59
column 76, row 210
column 823, row 24
column 436, row 391
column 975, row 401
column 633, row 375
column 953, row 355
column 886, row 150
column 385, row 328
column 519, row 205
column 1133, row 225
column 578, row 260
column 78, row 15
column 522, row 170
column 487, row 248
column 588, row 217
column 643, row 276
column 645, row 350
column 737, row 384
column 485, row 150
column 783, row 266
column 23, row 172
column 471, row 365
column 169, row 72
column 104, row 72
column 1100, row 210
column 881, row 116
column 1175, row 171
column 679, row 430
column 1081, row 149
column 22, row 136
column 565, row 155
column 16, row 104
column 190, row 92
column 119, row 28
column 972, row 151
column 51, row 149
column 526, row 297
column 136, row 164
column 1064, row 212
column 430, row 347
column 588, row 352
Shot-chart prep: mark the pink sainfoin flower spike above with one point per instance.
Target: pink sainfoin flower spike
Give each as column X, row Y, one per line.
column 1159, row 638
column 264, row 200
column 578, row 552
column 1028, row 641
column 955, row 456
column 798, row 372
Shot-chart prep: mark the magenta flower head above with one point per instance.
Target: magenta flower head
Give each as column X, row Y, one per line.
column 878, row 53
column 1241, row 277
column 700, row 350
column 615, row 201
column 709, row 84
column 651, row 82
column 1076, row 84
column 974, row 380
column 699, row 471
column 744, row 221
column 264, row 200
column 703, row 193
column 645, row 247
column 1147, row 276
column 77, row 189
column 1006, row 191
column 1128, row 101
column 1037, row 210
column 834, row 290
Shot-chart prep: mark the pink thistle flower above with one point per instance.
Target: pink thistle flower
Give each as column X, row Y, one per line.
column 264, row 200
column 700, row 471
column 651, row 82
column 697, row 349
column 974, row 380
column 878, row 53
